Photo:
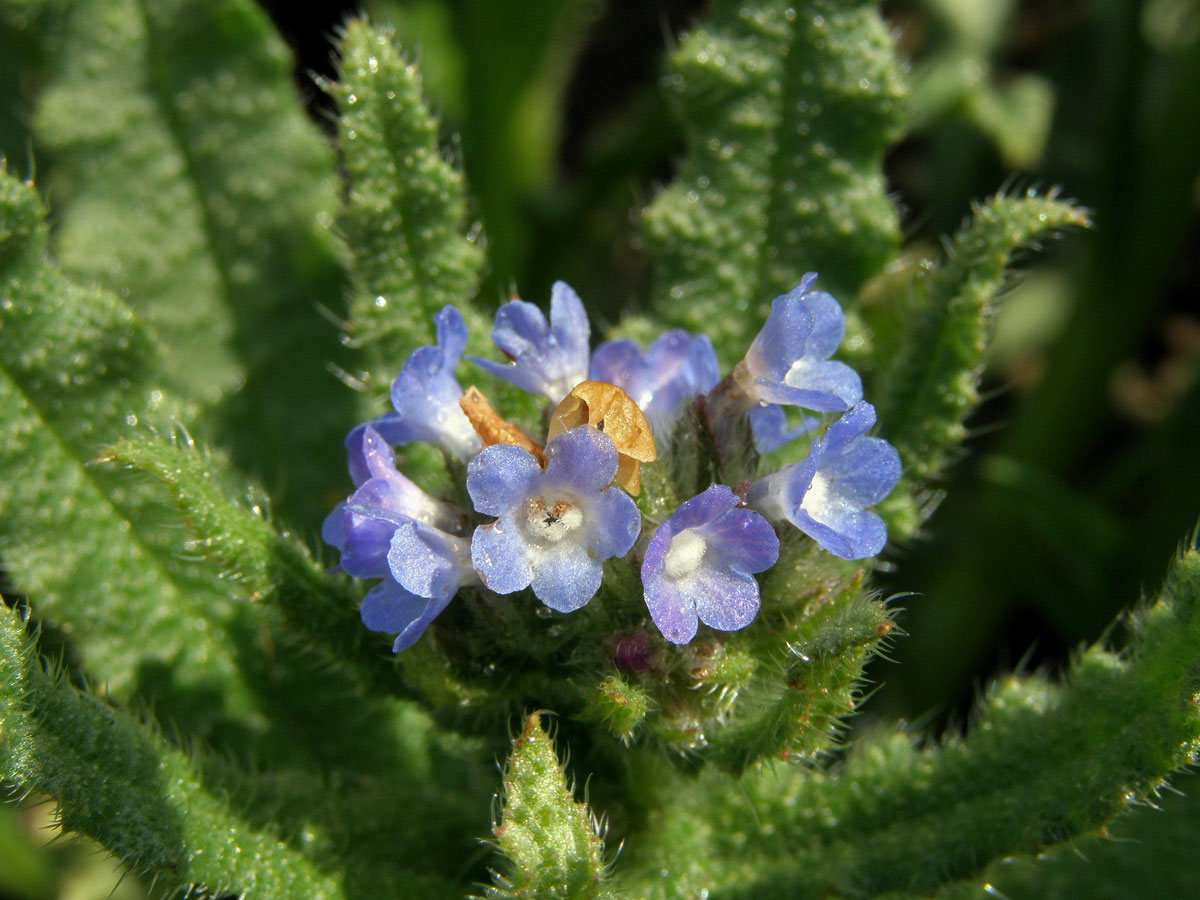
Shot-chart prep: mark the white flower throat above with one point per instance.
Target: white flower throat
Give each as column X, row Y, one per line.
column 551, row 521
column 685, row 553
column 817, row 497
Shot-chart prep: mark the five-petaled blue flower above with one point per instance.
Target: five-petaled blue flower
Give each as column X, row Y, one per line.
column 547, row 359
column 700, row 565
column 827, row 494
column 391, row 529
column 425, row 396
column 553, row 526
column 675, row 368
column 789, row 360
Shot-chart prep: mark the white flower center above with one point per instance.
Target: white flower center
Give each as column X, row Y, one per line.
column 685, row 553
column 816, row 498
column 552, row 521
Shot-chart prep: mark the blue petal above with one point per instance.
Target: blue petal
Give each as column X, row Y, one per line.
column 613, row 524
column 849, row 534
column 377, row 454
column 769, row 426
column 720, row 590
column 712, row 503
column 566, row 578
column 364, row 554
column 778, row 494
column 619, row 363
column 427, row 562
column 547, row 358
column 391, row 609
column 390, row 428
column 864, row 473
column 394, row 498
column 724, row 599
column 498, row 553
column 674, row 614
column 674, row 368
column 501, row 477
column 829, row 325
column 425, row 394
column 332, row 531
column 582, row 460
column 827, row 377
column 784, row 336
column 569, row 325
column 853, row 424
column 451, row 336
column 742, row 540
column 520, row 328
column 769, row 391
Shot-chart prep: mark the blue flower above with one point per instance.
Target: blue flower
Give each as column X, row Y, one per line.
column 391, row 529
column 362, row 527
column 553, row 527
column 547, row 359
column 789, row 360
column 425, row 396
column 827, row 494
column 769, row 426
column 673, row 369
column 391, row 609
column 700, row 562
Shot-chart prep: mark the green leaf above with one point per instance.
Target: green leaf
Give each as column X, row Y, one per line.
column 1042, row 764
column 788, row 111
column 188, row 178
column 552, row 843
column 117, row 782
column 198, row 822
column 75, row 369
column 932, row 384
column 820, row 629
column 99, row 553
column 405, row 225
column 274, row 568
column 405, row 214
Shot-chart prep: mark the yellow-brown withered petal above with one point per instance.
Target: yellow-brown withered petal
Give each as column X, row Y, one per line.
column 609, row 409
column 491, row 428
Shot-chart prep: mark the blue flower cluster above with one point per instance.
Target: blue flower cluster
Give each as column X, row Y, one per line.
column 547, row 517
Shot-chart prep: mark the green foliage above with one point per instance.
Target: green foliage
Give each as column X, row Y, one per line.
column 932, row 385
column 116, row 781
column 1014, row 112
column 788, row 109
column 187, row 179
column 551, row 841
column 75, row 368
column 406, row 209
column 1043, row 764
column 273, row 568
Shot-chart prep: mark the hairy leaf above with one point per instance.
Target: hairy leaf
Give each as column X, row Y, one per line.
column 551, row 841
column 117, row 782
column 99, row 554
column 405, row 212
column 787, row 111
column 1043, row 764
column 187, row 177
column 274, row 568
column 932, row 384
column 75, row 368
